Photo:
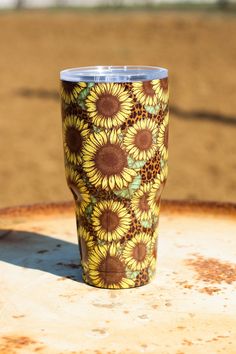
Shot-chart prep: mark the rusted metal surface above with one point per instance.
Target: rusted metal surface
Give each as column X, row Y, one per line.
column 173, row 206
column 190, row 307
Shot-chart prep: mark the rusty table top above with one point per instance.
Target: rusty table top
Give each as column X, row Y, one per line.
column 190, row 307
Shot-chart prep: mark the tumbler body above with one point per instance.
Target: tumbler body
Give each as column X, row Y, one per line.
column 115, row 138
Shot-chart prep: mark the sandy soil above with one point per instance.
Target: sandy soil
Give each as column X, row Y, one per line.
column 200, row 52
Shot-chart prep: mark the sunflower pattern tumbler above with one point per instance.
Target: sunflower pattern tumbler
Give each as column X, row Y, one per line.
column 115, row 135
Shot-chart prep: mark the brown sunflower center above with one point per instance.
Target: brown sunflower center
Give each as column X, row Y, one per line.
column 74, row 139
column 148, row 89
column 84, row 250
column 108, row 105
column 68, row 86
column 143, row 202
column 164, row 84
column 109, row 220
column 140, row 252
column 166, row 137
column 143, row 139
column 112, row 270
column 110, row 159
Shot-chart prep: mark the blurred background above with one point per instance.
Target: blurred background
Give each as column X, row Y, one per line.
column 194, row 40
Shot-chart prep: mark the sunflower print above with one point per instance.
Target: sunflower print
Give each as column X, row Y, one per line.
column 86, row 243
column 145, row 92
column 111, row 220
column 140, row 139
column 136, row 253
column 116, row 153
column 153, row 198
column 107, row 269
column 139, row 202
column 105, row 161
column 162, row 139
column 162, row 90
column 75, row 132
column 78, row 189
column 108, row 105
column 70, row 91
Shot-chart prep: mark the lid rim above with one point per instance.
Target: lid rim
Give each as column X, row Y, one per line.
column 128, row 73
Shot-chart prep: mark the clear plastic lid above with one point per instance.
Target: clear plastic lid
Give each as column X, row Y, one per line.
column 113, row 73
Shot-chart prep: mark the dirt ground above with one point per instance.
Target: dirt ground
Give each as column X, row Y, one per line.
column 199, row 49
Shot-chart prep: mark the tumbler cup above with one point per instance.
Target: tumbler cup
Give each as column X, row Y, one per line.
column 115, row 136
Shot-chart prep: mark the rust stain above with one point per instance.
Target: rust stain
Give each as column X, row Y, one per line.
column 185, row 284
column 211, row 270
column 210, row 290
column 212, row 340
column 191, row 314
column 9, row 344
column 61, row 279
column 143, row 317
column 188, row 286
column 18, row 316
column 180, row 327
column 143, row 345
column 99, row 330
column 39, row 348
column 187, row 342
column 215, row 339
column 199, row 207
column 45, row 209
column 108, row 306
column 155, row 306
column 68, row 296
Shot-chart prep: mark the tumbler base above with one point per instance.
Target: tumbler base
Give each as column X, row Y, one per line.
column 119, row 281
